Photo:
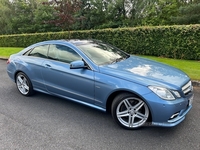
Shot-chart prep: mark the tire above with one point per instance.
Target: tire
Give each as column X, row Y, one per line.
column 24, row 84
column 129, row 111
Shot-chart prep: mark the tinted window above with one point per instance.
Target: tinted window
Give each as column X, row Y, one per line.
column 40, row 51
column 63, row 53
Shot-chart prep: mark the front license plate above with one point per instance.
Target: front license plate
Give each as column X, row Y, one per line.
column 191, row 100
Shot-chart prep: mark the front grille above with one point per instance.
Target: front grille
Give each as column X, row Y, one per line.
column 187, row 88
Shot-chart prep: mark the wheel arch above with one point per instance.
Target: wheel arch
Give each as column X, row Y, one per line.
column 25, row 88
column 15, row 75
column 24, row 70
column 116, row 93
column 18, row 71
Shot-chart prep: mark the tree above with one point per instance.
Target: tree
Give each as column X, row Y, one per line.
column 65, row 13
column 5, row 17
column 22, row 16
column 42, row 15
column 106, row 13
column 188, row 14
column 30, row 16
column 160, row 12
column 93, row 14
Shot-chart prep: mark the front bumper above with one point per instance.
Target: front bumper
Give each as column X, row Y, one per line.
column 175, row 121
column 168, row 113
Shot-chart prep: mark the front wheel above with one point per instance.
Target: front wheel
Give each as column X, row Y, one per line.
column 24, row 84
column 129, row 111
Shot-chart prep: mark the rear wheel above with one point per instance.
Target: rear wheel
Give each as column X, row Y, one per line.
column 24, row 84
column 129, row 111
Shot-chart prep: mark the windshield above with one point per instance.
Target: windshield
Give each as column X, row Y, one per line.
column 101, row 53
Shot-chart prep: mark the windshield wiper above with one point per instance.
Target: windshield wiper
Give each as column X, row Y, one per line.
column 118, row 59
column 127, row 56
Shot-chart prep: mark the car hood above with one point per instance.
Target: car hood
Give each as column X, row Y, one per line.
column 146, row 72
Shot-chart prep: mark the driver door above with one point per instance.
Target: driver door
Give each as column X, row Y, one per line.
column 77, row 84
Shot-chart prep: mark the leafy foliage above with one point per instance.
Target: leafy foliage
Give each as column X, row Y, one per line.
column 160, row 12
column 5, row 17
column 31, row 16
column 181, row 42
column 64, row 13
column 44, row 17
column 189, row 14
column 18, row 19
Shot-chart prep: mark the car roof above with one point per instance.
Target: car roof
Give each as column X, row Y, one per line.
column 81, row 41
column 74, row 42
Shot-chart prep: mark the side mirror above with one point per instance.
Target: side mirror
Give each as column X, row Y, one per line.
column 77, row 64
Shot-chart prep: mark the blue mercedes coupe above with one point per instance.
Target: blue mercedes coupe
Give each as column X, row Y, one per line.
column 136, row 91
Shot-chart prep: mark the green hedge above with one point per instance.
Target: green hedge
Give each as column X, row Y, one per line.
column 181, row 42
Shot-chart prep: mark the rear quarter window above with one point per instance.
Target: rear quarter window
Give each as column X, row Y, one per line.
column 39, row 51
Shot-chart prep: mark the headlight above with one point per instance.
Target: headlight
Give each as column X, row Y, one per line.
column 164, row 93
column 176, row 93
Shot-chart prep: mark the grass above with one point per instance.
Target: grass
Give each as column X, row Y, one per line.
column 191, row 67
column 7, row 51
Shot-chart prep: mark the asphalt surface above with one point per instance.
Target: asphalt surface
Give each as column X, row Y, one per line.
column 44, row 122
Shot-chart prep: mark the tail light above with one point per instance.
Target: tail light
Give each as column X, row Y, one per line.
column 8, row 61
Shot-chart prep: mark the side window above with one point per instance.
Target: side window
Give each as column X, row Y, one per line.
column 40, row 51
column 63, row 53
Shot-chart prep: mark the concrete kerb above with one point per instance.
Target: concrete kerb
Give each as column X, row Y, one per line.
column 194, row 82
column 3, row 58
